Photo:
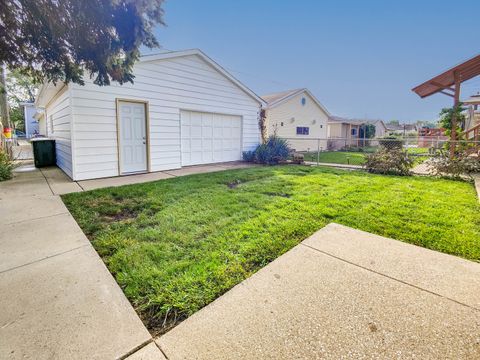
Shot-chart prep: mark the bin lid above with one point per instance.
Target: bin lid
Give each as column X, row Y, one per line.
column 41, row 139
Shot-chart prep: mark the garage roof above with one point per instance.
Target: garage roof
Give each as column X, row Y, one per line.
column 201, row 54
column 446, row 80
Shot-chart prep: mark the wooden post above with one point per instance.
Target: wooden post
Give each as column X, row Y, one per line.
column 456, row 101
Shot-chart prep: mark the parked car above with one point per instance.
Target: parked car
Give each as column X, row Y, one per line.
column 19, row 134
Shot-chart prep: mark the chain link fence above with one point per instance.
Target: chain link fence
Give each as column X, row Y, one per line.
column 422, row 151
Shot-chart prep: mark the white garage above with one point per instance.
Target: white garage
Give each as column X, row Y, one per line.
column 182, row 109
column 210, row 138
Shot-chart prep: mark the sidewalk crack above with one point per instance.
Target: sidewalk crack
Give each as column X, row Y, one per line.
column 42, row 259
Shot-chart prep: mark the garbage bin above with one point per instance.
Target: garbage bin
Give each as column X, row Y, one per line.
column 44, row 152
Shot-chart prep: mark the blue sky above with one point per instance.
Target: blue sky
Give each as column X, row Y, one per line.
column 360, row 58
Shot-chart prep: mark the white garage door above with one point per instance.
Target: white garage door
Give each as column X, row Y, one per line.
column 210, row 138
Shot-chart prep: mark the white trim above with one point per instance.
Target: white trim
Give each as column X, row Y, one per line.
column 292, row 95
column 216, row 66
column 72, row 134
column 25, row 120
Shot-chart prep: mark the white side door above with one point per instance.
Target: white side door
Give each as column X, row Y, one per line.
column 132, row 137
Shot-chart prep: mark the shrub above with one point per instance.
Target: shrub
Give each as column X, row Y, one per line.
column 461, row 165
column 389, row 161
column 6, row 166
column 272, row 152
column 248, row 156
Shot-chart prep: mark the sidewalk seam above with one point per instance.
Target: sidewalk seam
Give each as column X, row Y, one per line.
column 80, row 186
column 42, row 259
column 46, row 180
column 166, row 172
column 391, row 277
column 159, row 348
column 38, row 218
column 135, row 349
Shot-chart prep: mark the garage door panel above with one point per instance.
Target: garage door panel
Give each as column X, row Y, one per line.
column 209, row 138
column 207, row 132
column 195, row 119
column 196, row 132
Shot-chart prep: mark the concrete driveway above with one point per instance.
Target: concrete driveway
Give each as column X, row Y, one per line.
column 342, row 294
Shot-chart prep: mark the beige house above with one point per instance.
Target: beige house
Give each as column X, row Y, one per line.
column 299, row 117
column 380, row 127
column 343, row 132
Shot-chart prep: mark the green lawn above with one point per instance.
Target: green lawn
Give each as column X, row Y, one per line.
column 337, row 157
column 358, row 157
column 176, row 245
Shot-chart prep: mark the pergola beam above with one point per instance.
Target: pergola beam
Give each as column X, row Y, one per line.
column 447, row 93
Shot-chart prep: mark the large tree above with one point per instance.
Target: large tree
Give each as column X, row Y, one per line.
column 57, row 40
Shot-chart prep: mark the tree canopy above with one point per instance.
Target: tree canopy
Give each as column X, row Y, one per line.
column 20, row 88
column 57, row 40
column 446, row 117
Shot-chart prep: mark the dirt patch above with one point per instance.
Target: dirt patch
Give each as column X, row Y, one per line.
column 234, row 184
column 122, row 215
column 285, row 195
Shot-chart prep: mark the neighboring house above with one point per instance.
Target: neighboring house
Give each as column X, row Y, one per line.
column 42, row 122
column 31, row 124
column 401, row 129
column 183, row 109
column 343, row 132
column 472, row 123
column 297, row 116
column 380, row 127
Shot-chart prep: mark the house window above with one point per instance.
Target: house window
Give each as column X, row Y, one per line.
column 321, row 126
column 303, row 130
column 303, row 101
column 354, row 132
column 281, row 124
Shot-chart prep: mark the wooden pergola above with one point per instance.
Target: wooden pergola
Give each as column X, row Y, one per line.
column 448, row 83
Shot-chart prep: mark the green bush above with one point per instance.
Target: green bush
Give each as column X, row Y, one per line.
column 248, row 156
column 389, row 161
column 274, row 151
column 6, row 166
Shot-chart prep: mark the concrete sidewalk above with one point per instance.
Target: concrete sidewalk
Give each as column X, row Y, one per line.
column 58, row 300
column 61, row 184
column 342, row 293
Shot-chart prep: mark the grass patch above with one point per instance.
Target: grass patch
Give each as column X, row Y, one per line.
column 358, row 157
column 337, row 157
column 176, row 245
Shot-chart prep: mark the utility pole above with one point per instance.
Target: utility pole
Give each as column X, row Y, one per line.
column 3, row 97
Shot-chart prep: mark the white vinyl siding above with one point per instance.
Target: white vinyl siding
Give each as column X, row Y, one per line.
column 309, row 115
column 169, row 86
column 58, row 118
